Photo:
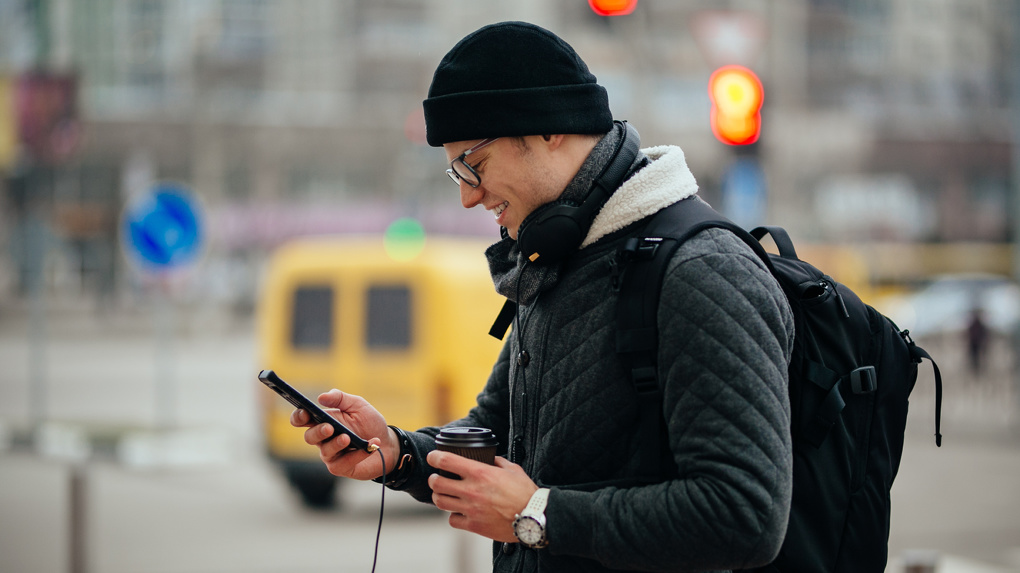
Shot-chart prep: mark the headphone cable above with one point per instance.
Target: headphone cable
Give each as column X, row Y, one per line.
column 382, row 458
column 382, row 507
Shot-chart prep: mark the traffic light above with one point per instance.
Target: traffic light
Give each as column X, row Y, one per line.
column 737, row 96
column 404, row 239
column 613, row 7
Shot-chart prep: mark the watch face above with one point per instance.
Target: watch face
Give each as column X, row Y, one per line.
column 529, row 531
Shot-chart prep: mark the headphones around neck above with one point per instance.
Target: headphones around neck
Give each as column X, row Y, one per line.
column 555, row 230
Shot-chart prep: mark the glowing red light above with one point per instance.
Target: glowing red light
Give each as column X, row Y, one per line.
column 737, row 96
column 613, row 7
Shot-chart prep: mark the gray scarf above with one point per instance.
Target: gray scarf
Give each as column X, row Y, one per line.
column 506, row 263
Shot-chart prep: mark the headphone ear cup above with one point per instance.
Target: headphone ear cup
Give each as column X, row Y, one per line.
column 551, row 232
column 555, row 230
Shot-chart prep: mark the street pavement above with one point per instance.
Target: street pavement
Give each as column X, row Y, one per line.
column 186, row 489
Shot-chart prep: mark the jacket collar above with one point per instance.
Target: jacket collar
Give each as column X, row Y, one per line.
column 666, row 180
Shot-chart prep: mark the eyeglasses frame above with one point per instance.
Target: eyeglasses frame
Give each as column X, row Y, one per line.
column 452, row 171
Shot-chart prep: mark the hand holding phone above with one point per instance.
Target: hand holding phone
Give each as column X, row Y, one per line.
column 318, row 415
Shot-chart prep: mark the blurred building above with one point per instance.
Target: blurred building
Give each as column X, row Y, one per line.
column 883, row 119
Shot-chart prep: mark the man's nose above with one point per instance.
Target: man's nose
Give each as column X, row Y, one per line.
column 470, row 196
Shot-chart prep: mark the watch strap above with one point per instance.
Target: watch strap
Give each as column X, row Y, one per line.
column 536, row 505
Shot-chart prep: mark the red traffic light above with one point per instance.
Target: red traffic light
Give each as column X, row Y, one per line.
column 737, row 96
column 613, row 7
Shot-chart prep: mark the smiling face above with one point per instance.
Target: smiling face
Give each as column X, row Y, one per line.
column 518, row 176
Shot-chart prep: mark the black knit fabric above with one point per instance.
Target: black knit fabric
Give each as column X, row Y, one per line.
column 513, row 79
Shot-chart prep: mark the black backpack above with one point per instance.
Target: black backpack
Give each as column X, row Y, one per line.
column 851, row 373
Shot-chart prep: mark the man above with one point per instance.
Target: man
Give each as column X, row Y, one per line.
column 527, row 131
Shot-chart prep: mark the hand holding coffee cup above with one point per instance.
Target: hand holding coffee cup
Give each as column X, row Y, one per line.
column 473, row 443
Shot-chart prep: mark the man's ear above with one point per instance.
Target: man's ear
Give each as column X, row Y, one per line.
column 553, row 141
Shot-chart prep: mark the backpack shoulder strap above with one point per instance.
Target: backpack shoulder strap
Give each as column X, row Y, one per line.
column 638, row 274
column 641, row 265
column 916, row 354
column 684, row 219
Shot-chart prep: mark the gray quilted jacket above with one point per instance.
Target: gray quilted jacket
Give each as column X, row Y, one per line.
column 721, row 498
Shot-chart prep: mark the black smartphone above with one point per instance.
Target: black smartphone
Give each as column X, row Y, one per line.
column 299, row 400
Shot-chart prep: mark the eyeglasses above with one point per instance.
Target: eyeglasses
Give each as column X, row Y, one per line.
column 460, row 170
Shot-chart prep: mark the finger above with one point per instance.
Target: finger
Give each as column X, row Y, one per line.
column 316, row 435
column 299, row 418
column 459, row 521
column 440, row 494
column 504, row 463
column 342, row 463
column 331, row 449
column 440, row 483
column 434, row 458
column 466, row 468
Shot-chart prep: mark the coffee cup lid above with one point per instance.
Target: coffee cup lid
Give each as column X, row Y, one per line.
column 467, row 437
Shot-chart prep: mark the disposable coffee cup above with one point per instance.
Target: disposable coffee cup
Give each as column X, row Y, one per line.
column 477, row 444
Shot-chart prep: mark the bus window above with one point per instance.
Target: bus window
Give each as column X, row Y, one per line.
column 388, row 324
column 312, row 318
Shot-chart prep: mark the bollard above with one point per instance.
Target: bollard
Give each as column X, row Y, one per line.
column 78, row 549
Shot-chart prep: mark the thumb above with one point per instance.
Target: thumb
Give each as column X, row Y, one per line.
column 331, row 399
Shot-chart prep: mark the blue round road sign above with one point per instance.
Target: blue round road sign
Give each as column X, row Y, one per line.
column 162, row 230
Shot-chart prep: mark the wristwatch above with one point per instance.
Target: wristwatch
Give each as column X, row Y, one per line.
column 529, row 525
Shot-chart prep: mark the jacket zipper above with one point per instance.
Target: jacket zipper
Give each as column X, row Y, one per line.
column 518, row 382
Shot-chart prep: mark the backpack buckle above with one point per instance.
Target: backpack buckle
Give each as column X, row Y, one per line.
column 645, row 380
column 639, row 248
column 864, row 380
column 633, row 249
column 647, row 248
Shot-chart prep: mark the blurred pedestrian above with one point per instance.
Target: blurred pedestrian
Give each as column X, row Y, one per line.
column 977, row 341
column 528, row 134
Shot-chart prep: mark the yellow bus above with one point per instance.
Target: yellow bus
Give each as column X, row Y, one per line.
column 407, row 330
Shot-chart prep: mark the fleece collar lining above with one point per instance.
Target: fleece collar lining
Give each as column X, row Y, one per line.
column 666, row 180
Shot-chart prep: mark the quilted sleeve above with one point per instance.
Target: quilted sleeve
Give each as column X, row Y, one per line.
column 726, row 333
column 491, row 411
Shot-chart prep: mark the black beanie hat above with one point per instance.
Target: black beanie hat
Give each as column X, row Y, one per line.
column 513, row 79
